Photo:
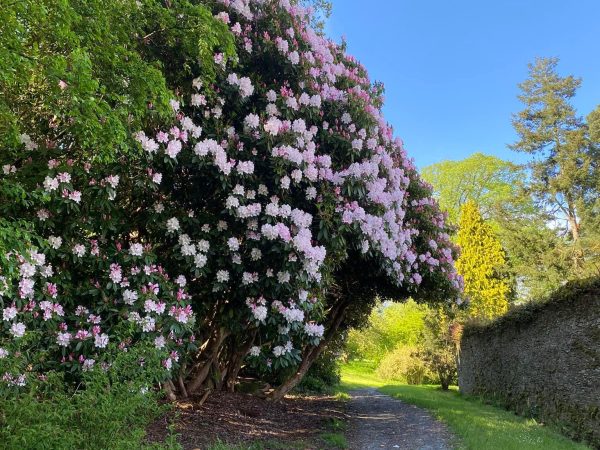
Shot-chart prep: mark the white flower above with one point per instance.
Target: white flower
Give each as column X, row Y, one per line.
column 233, row 244
column 29, row 144
column 222, row 276
column 129, row 297
column 3, row 353
column 18, row 329
column 173, row 148
column 263, row 190
column 293, row 315
column 294, row 57
column 180, row 281
column 79, row 250
column 27, row 270
column 63, row 339
column 88, row 365
column 260, row 313
column 365, row 246
column 136, row 250
column 246, row 88
column 297, row 175
column 55, row 242
column 200, row 260
column 50, row 184
column 8, row 169
column 283, row 277
column 315, row 101
column 252, row 121
column 272, row 110
column 148, row 324
column 101, row 340
column 255, row 254
column 172, row 224
column 232, row 202
column 203, row 245
column 43, row 214
column 255, row 351
column 272, row 96
column 9, row 313
column 157, row 179
column 314, row 330
column 160, row 342
column 272, row 126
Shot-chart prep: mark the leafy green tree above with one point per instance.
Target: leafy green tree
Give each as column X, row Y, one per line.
column 481, row 263
column 565, row 165
column 494, row 184
column 593, row 120
column 441, row 339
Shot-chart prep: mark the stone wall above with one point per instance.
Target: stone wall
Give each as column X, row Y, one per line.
column 542, row 361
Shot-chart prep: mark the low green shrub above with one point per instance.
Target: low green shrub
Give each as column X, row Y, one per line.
column 109, row 409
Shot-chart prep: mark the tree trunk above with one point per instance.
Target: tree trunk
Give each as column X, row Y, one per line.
column 236, row 361
column 337, row 318
column 574, row 227
column 203, row 369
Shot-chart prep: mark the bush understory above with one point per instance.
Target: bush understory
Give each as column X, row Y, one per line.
column 100, row 413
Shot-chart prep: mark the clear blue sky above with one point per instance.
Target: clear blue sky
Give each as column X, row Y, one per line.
column 451, row 68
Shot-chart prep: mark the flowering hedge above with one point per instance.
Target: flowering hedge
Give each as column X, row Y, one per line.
column 276, row 166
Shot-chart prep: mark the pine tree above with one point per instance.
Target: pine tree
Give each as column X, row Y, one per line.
column 565, row 163
column 481, row 262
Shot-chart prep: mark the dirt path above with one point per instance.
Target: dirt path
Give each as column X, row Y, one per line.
column 381, row 422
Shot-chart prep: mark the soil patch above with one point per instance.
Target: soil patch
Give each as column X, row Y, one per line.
column 241, row 419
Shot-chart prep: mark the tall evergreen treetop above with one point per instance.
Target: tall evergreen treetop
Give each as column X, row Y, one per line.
column 562, row 170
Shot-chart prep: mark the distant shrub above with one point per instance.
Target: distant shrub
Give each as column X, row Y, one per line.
column 403, row 364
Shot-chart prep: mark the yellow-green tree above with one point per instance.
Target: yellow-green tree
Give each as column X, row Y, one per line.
column 481, row 262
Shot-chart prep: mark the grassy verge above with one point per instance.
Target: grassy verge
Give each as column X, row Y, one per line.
column 478, row 425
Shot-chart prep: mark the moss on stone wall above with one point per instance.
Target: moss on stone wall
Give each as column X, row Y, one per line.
column 542, row 360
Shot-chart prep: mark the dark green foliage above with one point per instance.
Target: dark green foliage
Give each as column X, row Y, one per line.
column 324, row 374
column 91, row 73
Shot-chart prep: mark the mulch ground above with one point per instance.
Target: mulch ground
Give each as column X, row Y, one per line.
column 240, row 419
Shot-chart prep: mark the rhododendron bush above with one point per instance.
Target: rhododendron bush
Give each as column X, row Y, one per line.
column 225, row 238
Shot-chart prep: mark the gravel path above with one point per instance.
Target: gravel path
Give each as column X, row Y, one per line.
column 378, row 421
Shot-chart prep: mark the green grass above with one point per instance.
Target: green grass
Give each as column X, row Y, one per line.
column 334, row 440
column 359, row 374
column 477, row 425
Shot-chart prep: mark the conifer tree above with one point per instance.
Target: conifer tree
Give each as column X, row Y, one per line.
column 481, row 261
